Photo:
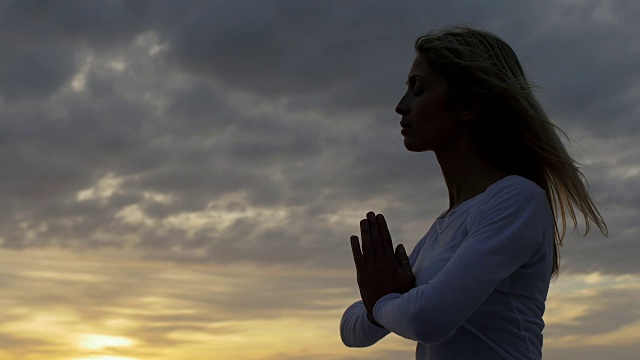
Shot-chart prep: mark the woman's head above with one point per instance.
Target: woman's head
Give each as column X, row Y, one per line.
column 508, row 126
column 483, row 72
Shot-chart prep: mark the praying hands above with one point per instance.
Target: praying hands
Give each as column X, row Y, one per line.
column 380, row 270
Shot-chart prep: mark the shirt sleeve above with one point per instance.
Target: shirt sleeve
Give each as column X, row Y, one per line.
column 507, row 230
column 356, row 330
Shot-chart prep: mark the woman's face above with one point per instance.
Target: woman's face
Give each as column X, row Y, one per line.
column 428, row 119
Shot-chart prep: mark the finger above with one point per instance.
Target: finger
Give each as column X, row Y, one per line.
column 376, row 240
column 387, row 244
column 367, row 248
column 403, row 259
column 357, row 254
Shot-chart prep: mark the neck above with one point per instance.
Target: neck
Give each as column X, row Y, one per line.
column 466, row 174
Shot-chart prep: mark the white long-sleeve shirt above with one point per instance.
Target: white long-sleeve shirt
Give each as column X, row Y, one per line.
column 482, row 277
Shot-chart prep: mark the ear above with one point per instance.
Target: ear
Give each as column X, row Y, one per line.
column 469, row 109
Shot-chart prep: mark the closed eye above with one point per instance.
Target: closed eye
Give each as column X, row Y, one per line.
column 412, row 78
column 417, row 87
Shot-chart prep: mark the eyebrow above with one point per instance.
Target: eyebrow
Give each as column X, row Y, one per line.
column 412, row 76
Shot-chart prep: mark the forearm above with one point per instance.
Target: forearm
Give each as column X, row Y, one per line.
column 356, row 330
column 413, row 316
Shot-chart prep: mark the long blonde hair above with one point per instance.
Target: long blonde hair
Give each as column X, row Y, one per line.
column 512, row 130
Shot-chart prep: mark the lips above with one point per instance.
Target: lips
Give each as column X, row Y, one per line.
column 405, row 125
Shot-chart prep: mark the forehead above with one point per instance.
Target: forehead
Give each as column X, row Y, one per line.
column 419, row 68
column 419, row 65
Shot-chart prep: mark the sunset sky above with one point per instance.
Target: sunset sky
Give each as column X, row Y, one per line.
column 179, row 179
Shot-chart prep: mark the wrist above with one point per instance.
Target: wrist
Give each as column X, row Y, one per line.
column 373, row 320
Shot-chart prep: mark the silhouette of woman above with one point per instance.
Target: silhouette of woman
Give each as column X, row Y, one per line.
column 475, row 286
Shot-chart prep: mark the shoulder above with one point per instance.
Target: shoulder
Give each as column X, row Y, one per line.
column 513, row 188
column 515, row 182
column 513, row 208
column 514, row 196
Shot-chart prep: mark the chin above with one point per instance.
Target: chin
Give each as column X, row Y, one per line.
column 413, row 147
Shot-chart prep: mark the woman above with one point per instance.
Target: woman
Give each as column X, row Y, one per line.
column 475, row 286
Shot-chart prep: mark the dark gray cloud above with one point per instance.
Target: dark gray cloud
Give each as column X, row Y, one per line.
column 263, row 131
column 259, row 133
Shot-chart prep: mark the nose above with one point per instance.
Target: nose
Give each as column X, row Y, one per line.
column 402, row 108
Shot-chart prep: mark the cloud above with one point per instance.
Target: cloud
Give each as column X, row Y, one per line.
column 110, row 303
column 186, row 175
column 144, row 309
column 584, row 317
column 265, row 137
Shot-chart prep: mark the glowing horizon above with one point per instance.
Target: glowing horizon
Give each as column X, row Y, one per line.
column 193, row 311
